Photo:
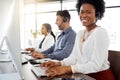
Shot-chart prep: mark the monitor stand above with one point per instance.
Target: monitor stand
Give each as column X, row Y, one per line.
column 10, row 76
column 8, row 70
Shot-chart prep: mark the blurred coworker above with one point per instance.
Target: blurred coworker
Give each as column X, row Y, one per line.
column 47, row 41
column 90, row 53
column 65, row 41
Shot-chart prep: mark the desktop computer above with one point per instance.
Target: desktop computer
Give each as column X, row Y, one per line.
column 10, row 32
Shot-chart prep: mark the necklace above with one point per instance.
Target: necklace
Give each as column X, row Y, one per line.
column 84, row 36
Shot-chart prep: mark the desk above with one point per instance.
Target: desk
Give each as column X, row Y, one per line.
column 28, row 75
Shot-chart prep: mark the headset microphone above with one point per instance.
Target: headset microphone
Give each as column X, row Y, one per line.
column 61, row 24
column 64, row 20
column 65, row 15
column 98, row 17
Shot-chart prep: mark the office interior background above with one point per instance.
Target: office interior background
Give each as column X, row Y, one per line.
column 36, row 12
column 33, row 13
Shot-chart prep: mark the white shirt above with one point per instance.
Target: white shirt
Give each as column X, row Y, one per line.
column 47, row 43
column 92, row 55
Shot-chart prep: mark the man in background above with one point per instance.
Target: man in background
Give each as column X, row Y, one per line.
column 65, row 41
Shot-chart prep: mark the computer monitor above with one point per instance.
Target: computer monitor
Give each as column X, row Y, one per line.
column 10, row 30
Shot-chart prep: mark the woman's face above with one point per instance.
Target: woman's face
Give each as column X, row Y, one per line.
column 87, row 14
column 44, row 30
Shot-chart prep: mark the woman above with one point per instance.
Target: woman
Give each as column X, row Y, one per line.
column 47, row 41
column 90, row 52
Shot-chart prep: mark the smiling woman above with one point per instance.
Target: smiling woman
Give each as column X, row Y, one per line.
column 90, row 52
column 87, row 16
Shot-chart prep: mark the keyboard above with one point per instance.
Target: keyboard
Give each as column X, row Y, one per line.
column 28, row 56
column 38, row 71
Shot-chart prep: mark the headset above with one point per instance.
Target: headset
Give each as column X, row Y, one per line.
column 98, row 15
column 64, row 19
column 64, row 16
column 49, row 29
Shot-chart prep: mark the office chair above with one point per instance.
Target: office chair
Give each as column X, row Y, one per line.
column 114, row 58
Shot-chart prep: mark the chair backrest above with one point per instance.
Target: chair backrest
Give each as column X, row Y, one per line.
column 114, row 58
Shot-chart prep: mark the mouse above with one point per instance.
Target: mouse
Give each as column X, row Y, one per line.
column 32, row 61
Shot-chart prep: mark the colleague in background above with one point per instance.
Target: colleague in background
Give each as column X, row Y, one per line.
column 90, row 53
column 65, row 41
column 48, row 40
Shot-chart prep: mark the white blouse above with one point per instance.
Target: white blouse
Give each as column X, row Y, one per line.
column 91, row 55
column 47, row 43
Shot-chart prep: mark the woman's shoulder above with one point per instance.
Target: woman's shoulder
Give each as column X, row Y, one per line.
column 49, row 36
column 100, row 29
column 101, row 32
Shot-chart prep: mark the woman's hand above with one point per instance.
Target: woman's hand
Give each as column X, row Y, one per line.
column 58, row 70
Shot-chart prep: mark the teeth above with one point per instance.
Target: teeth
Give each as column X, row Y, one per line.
column 84, row 20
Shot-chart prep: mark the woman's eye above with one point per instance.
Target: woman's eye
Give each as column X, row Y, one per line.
column 89, row 12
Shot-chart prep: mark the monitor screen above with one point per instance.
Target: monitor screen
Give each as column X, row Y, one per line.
column 10, row 29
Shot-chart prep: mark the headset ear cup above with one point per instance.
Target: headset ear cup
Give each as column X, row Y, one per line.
column 64, row 19
column 98, row 15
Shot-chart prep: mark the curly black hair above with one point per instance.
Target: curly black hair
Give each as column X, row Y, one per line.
column 99, row 6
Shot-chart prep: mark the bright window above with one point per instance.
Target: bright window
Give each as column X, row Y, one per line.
column 35, row 14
